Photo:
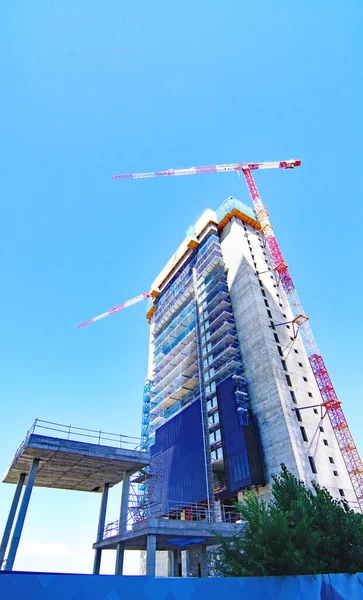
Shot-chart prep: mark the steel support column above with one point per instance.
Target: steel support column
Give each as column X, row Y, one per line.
column 11, row 517
column 124, row 502
column 21, row 516
column 122, row 522
column 100, row 529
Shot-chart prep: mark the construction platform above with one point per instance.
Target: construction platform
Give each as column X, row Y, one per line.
column 170, row 534
column 57, row 456
column 74, row 465
column 63, row 462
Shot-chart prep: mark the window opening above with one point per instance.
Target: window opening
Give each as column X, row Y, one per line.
column 312, row 464
column 303, row 434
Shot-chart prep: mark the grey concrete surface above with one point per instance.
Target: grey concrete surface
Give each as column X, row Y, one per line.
column 166, row 530
column 73, row 465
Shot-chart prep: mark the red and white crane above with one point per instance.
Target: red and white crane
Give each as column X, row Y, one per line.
column 329, row 397
column 116, row 309
column 286, row 164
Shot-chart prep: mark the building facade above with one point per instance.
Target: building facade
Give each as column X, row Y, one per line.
column 230, row 394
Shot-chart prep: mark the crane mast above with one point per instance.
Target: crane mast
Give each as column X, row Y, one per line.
column 329, row 396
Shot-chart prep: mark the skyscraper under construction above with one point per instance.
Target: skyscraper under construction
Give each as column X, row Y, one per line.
column 230, row 393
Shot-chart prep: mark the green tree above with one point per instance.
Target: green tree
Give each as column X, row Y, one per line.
column 300, row 531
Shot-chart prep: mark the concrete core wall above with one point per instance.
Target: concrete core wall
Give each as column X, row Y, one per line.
column 273, row 359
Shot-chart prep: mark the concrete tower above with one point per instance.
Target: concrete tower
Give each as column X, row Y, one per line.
column 230, row 393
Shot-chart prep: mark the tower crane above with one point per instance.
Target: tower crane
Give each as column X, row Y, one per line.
column 329, row 396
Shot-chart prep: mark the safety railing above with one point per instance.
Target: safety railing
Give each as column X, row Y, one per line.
column 70, row 432
column 174, row 511
column 111, row 529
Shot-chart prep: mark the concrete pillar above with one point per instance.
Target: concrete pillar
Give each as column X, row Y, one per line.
column 194, row 566
column 21, row 516
column 173, row 563
column 10, row 521
column 100, row 529
column 122, row 528
column 185, row 561
column 203, row 561
column 218, row 511
column 151, row 555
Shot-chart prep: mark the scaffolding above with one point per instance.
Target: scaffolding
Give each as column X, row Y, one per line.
column 195, row 349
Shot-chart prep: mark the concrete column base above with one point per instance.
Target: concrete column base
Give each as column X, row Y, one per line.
column 151, row 555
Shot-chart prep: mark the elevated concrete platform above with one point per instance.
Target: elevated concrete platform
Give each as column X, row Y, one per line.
column 74, row 465
column 170, row 534
column 70, row 464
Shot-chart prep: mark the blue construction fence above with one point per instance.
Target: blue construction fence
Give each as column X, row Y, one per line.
column 49, row 586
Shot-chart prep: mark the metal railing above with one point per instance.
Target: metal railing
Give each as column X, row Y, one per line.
column 198, row 512
column 174, row 511
column 70, row 432
column 111, row 529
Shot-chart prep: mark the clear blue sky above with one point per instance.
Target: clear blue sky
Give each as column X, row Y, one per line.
column 90, row 89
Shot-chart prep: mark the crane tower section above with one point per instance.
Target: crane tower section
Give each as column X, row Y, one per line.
column 328, row 394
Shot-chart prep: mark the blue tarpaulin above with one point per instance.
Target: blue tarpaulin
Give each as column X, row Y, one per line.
column 185, row 542
column 47, row 586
